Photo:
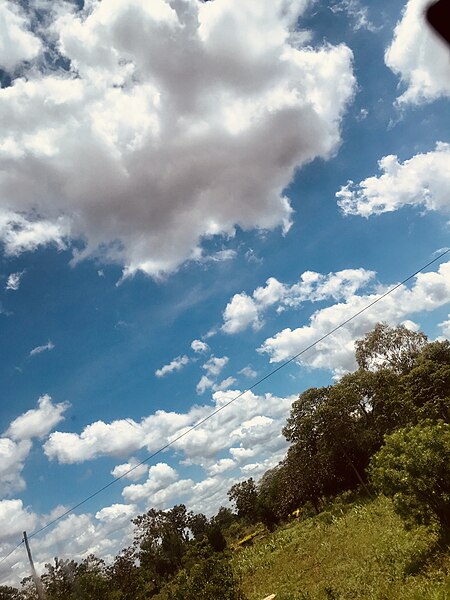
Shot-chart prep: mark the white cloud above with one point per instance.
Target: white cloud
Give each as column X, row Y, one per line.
column 271, row 293
column 248, row 372
column 357, row 12
column 222, row 465
column 17, row 43
column 419, row 57
column 38, row 422
column 240, row 313
column 231, row 427
column 20, row 234
column 445, row 327
column 423, row 181
column 411, row 325
column 15, row 444
column 123, row 470
column 204, row 384
column 429, row 291
column 119, row 438
column 160, row 476
column 214, row 365
column 244, row 311
column 159, row 97
column 12, row 457
column 13, row 281
column 199, row 346
column 48, row 346
column 175, row 365
column 14, row 519
column 116, row 513
column 224, row 384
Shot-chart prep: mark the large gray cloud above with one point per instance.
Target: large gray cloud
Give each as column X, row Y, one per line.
column 177, row 121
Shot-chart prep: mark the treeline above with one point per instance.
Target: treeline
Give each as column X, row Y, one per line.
column 383, row 428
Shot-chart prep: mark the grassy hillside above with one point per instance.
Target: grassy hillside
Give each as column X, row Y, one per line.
column 358, row 551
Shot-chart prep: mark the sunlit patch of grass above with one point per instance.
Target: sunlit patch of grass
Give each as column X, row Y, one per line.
column 360, row 551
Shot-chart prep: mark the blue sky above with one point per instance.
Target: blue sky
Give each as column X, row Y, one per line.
column 190, row 193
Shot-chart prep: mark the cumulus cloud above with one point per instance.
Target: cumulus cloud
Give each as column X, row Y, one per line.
column 222, row 465
column 116, row 513
column 252, row 423
column 244, row 311
column 38, row 422
column 199, row 346
column 160, row 476
column 175, row 123
column 213, row 367
column 239, row 313
column 175, row 365
column 14, row 519
column 13, row 281
column 17, row 43
column 224, row 384
column 419, row 57
column 39, row 349
column 138, row 471
column 429, row 291
column 204, row 384
column 15, row 443
column 445, row 327
column 12, row 458
column 423, row 181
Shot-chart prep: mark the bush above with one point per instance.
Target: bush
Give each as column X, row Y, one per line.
column 211, row 579
column 413, row 468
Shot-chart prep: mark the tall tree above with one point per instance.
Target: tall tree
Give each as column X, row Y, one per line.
column 245, row 498
column 389, row 347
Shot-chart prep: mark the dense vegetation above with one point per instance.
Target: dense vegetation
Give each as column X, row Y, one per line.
column 383, row 429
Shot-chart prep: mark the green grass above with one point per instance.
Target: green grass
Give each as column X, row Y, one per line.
column 360, row 551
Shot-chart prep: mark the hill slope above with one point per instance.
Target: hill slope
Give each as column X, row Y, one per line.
column 358, row 551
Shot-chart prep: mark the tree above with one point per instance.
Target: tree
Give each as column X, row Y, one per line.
column 413, row 468
column 162, row 538
column 126, row 577
column 9, row 593
column 245, row 497
column 427, row 385
column 211, row 579
column 59, row 580
column 389, row 347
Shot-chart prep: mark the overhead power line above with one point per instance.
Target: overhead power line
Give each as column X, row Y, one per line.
column 11, row 552
column 234, row 399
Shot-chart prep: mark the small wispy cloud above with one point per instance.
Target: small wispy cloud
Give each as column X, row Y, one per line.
column 13, row 281
column 199, row 346
column 358, row 13
column 175, row 365
column 248, row 372
column 48, row 346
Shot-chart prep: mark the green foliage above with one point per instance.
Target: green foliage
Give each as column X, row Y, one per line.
column 245, row 497
column 211, row 579
column 335, row 432
column 162, row 538
column 9, row 593
column 413, row 468
column 427, row 385
column 395, row 348
column 361, row 551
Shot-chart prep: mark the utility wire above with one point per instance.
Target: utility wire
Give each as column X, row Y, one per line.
column 218, row 410
column 11, row 551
